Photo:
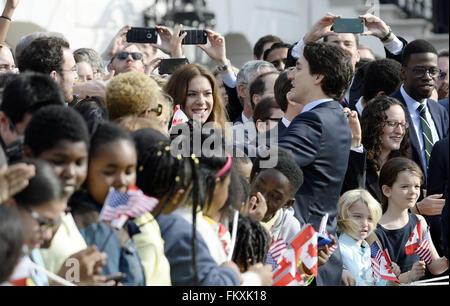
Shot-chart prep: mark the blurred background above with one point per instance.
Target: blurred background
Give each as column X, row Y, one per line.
column 93, row 23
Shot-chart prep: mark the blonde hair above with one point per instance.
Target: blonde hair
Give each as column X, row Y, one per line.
column 134, row 123
column 132, row 93
column 347, row 225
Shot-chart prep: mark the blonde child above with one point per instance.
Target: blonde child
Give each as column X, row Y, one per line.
column 400, row 181
column 358, row 214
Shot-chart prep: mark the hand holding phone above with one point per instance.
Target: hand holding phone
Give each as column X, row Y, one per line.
column 348, row 25
column 194, row 37
column 142, row 35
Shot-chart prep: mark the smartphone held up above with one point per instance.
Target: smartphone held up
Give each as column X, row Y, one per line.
column 348, row 25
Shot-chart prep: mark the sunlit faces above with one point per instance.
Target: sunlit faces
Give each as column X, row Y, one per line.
column 360, row 213
column 69, row 160
column 392, row 136
column 85, row 72
column 419, row 87
column 405, row 191
column 347, row 41
column 39, row 223
column 199, row 99
column 128, row 64
column 113, row 165
column 302, row 82
column 278, row 58
column 7, row 64
column 68, row 76
column 276, row 189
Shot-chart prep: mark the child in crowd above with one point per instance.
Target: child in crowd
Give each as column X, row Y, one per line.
column 112, row 163
column 278, row 185
column 358, row 214
column 40, row 206
column 59, row 135
column 400, row 181
column 175, row 181
column 242, row 163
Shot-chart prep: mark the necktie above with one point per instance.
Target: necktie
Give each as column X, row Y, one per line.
column 426, row 132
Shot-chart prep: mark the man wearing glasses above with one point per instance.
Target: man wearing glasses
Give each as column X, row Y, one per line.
column 428, row 120
column 127, row 60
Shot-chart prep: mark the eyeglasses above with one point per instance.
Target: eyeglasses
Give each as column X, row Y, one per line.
column 124, row 55
column 419, row 72
column 157, row 110
column 7, row 68
column 73, row 69
column 442, row 75
column 395, row 124
column 44, row 224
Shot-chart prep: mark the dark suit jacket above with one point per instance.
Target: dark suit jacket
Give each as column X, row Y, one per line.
column 444, row 103
column 440, row 118
column 320, row 143
column 234, row 106
column 361, row 175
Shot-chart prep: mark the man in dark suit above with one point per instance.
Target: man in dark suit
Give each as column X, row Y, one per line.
column 319, row 139
column 428, row 120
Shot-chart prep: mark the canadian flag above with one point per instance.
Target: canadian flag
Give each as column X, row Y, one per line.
column 413, row 241
column 179, row 116
column 385, row 268
column 305, row 245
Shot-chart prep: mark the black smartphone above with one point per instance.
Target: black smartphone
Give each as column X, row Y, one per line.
column 142, row 35
column 118, row 277
column 195, row 37
column 348, row 25
column 169, row 65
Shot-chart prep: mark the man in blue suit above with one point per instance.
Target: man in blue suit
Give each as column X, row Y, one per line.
column 428, row 120
column 319, row 139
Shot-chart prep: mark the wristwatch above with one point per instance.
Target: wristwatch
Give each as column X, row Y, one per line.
column 224, row 67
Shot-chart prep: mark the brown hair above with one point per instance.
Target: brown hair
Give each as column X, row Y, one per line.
column 391, row 170
column 178, row 85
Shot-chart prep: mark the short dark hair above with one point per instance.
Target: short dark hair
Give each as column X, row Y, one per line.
column 29, row 92
column 334, row 63
column 417, row 46
column 11, row 239
column 258, row 86
column 93, row 110
column 286, row 165
column 274, row 47
column 382, row 75
column 259, row 46
column 43, row 55
column 282, row 86
column 108, row 132
column 45, row 186
column 5, row 79
column 54, row 123
column 443, row 53
column 263, row 110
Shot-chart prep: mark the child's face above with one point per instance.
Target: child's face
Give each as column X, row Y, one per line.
column 114, row 165
column 246, row 170
column 40, row 223
column 220, row 196
column 360, row 213
column 69, row 160
column 275, row 188
column 405, row 191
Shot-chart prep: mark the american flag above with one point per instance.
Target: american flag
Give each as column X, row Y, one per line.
column 375, row 256
column 133, row 204
column 333, row 248
column 423, row 250
column 275, row 251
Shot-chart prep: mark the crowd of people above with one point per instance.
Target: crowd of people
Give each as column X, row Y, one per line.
column 237, row 158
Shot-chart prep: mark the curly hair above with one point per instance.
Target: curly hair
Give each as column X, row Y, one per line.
column 43, row 55
column 131, row 93
column 372, row 123
column 177, row 88
column 334, row 63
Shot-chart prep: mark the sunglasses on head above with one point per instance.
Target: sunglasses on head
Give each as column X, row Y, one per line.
column 124, row 55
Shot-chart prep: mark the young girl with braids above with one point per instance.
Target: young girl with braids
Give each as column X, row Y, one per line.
column 175, row 181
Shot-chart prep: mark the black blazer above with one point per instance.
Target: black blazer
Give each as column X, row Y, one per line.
column 361, row 175
column 440, row 117
column 320, row 143
column 234, row 106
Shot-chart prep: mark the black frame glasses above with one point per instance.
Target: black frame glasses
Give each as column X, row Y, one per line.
column 419, row 72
